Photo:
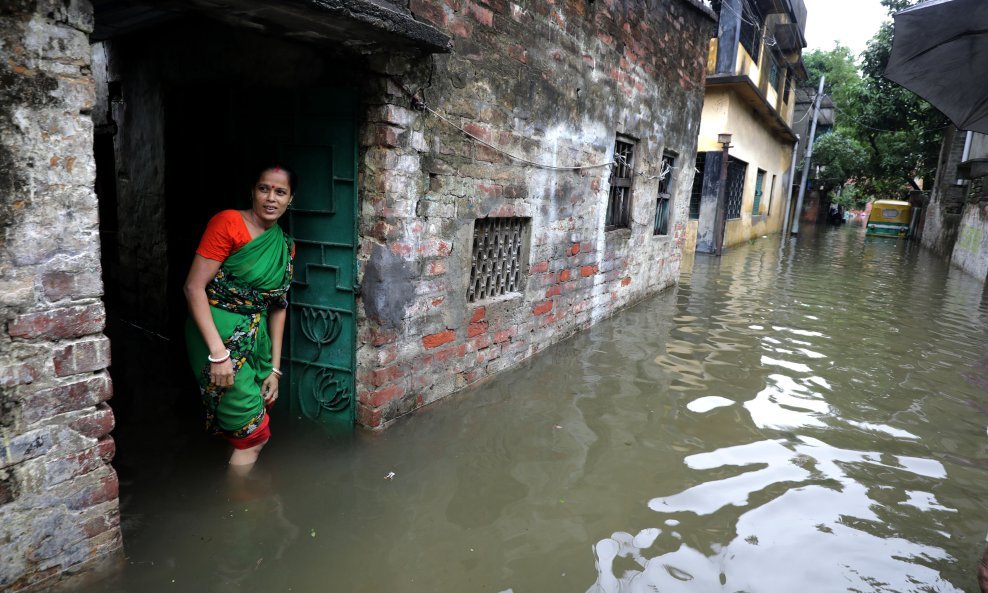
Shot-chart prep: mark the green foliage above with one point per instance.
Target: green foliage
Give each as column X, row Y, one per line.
column 851, row 197
column 899, row 133
column 903, row 131
column 838, row 64
column 840, row 157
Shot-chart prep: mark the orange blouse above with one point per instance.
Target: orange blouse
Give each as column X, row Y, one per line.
column 225, row 234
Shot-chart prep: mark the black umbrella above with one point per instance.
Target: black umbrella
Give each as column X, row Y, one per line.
column 940, row 52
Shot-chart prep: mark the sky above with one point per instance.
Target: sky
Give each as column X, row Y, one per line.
column 852, row 22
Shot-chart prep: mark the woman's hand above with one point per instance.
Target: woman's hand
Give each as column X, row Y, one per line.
column 221, row 373
column 269, row 389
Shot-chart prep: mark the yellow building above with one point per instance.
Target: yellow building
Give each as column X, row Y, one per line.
column 752, row 68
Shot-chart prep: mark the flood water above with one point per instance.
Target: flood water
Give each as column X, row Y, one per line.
column 798, row 417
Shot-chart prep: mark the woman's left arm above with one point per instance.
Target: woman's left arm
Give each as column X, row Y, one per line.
column 276, row 330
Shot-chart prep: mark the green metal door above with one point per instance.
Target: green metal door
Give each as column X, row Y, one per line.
column 320, row 350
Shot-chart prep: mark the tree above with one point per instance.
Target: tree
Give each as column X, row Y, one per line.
column 903, row 131
column 840, row 158
column 838, row 64
column 899, row 132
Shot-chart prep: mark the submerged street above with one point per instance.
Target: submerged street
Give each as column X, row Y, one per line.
column 798, row 417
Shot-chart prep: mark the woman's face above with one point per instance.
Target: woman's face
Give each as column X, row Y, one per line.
column 272, row 194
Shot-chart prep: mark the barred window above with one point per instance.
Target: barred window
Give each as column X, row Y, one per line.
column 622, row 174
column 774, row 72
column 696, row 193
column 498, row 253
column 663, row 203
column 736, row 169
column 750, row 21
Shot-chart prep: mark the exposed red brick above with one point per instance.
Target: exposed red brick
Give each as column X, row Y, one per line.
column 380, row 336
column 504, row 335
column 475, row 329
column 488, row 354
column 473, row 375
column 62, row 285
column 482, row 341
column 385, row 135
column 379, row 377
column 376, row 399
column 428, row 11
column 437, row 340
column 541, row 308
column 436, row 267
column 586, row 271
column 105, row 489
column 17, row 374
column 66, row 398
column 564, row 275
column 71, row 466
column 540, row 267
column 552, row 291
column 460, row 28
column 483, row 15
column 477, row 130
column 101, row 524
column 82, row 357
column 518, row 52
column 95, row 424
column 453, row 351
column 369, row 417
column 626, row 281
column 61, row 323
column 478, row 314
column 574, row 249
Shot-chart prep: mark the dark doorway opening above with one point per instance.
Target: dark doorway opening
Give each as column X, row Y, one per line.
column 187, row 109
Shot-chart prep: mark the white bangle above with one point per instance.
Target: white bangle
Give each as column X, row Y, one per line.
column 276, row 371
column 223, row 358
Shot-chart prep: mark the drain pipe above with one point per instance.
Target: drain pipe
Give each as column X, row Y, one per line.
column 792, row 175
column 966, row 154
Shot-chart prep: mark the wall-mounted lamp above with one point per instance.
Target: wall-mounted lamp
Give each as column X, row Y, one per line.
column 724, row 139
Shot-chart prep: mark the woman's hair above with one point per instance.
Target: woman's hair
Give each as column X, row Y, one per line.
column 275, row 166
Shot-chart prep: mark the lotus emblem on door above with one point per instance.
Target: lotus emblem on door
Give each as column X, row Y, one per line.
column 321, row 326
column 323, row 389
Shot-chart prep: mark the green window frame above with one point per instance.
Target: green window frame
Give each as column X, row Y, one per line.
column 756, row 204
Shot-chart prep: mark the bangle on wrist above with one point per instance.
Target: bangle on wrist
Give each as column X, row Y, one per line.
column 276, row 371
column 223, row 358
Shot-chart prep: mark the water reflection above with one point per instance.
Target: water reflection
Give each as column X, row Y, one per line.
column 803, row 417
column 837, row 502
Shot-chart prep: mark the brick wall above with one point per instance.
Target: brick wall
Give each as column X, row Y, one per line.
column 58, row 493
column 552, row 82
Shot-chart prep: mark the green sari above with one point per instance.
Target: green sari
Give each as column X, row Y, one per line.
column 250, row 281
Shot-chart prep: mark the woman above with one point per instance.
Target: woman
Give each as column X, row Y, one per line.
column 236, row 293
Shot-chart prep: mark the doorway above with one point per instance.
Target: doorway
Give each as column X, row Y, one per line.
column 180, row 139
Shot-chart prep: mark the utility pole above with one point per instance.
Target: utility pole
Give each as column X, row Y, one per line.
column 808, row 160
column 792, row 177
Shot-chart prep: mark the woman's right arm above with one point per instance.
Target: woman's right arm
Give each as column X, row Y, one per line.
column 202, row 271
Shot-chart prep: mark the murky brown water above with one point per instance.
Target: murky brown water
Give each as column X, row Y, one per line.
column 787, row 419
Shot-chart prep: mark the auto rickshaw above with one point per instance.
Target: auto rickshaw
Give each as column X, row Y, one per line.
column 889, row 218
